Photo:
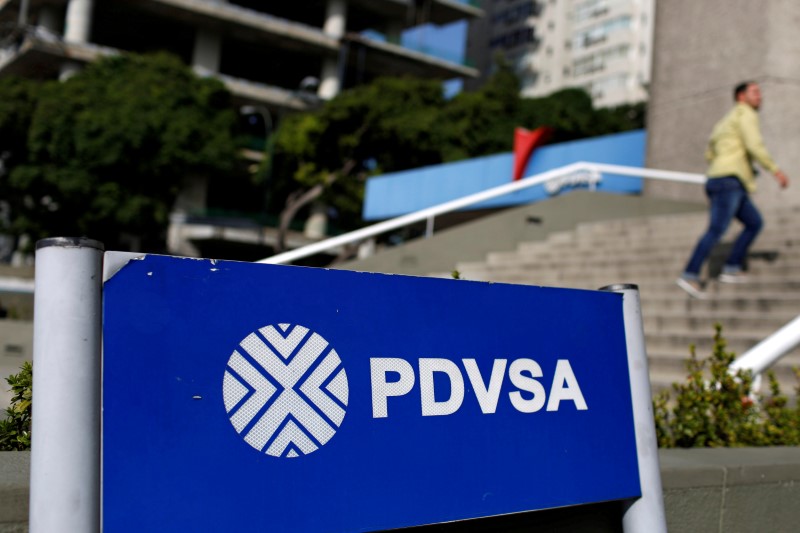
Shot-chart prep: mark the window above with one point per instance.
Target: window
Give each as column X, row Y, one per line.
column 600, row 32
column 597, row 61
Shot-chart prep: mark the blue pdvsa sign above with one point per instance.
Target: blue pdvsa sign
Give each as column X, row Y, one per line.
column 291, row 399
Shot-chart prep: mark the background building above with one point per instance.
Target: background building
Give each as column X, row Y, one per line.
column 604, row 46
column 270, row 53
column 274, row 57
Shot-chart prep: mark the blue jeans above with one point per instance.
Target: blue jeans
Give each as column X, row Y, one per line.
column 728, row 199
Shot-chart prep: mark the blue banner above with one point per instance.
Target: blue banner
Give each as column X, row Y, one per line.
column 400, row 193
column 289, row 399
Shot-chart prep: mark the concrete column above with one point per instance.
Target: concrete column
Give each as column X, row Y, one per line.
column 49, row 19
column 330, row 84
column 335, row 18
column 22, row 18
column 207, row 50
column 68, row 69
column 78, row 27
column 394, row 31
column 335, row 26
column 703, row 49
column 317, row 224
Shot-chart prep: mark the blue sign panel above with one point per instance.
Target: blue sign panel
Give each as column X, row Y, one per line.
column 290, row 399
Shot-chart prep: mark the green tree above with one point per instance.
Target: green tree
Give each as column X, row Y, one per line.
column 482, row 122
column 569, row 112
column 109, row 149
column 385, row 126
column 17, row 103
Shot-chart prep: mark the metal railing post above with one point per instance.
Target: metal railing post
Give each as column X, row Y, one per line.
column 429, row 227
column 65, row 450
column 645, row 514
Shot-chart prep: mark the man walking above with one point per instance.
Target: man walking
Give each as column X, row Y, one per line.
column 735, row 142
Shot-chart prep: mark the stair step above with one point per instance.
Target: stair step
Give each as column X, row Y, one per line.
column 643, row 276
column 736, row 341
column 703, row 322
column 502, row 261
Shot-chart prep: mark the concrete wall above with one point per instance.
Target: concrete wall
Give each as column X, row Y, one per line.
column 733, row 490
column 701, row 51
column 14, row 485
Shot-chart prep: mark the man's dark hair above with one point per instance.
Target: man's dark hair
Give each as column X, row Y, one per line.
column 740, row 88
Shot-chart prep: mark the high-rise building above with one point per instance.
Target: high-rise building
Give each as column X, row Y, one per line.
column 265, row 52
column 604, row 46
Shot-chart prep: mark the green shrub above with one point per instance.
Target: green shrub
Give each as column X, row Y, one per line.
column 15, row 430
column 714, row 408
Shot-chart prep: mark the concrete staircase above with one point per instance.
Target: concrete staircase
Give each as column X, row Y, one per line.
column 651, row 252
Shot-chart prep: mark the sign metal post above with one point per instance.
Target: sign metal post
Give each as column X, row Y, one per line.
column 645, row 514
column 65, row 452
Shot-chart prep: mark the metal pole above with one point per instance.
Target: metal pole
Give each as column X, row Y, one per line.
column 65, row 452
column 645, row 514
column 429, row 227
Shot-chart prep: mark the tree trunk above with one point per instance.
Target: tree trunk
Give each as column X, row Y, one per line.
column 299, row 198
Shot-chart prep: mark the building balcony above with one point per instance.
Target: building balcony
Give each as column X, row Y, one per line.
column 246, row 24
column 260, row 52
column 42, row 54
column 384, row 58
column 240, row 235
column 440, row 12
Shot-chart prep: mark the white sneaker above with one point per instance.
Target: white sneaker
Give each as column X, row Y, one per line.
column 734, row 277
column 693, row 287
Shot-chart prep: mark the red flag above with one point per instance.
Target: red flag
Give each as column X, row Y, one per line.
column 525, row 142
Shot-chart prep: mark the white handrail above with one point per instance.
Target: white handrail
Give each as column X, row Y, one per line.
column 12, row 285
column 472, row 199
column 764, row 354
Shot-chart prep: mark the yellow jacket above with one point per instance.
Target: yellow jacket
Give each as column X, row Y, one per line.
column 735, row 142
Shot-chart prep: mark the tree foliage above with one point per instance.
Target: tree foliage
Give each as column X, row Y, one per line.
column 17, row 102
column 107, row 151
column 15, row 430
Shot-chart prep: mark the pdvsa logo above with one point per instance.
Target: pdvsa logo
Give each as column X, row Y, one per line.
column 285, row 390
column 524, row 374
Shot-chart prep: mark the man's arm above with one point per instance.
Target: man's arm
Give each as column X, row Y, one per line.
column 782, row 178
column 709, row 153
column 754, row 144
